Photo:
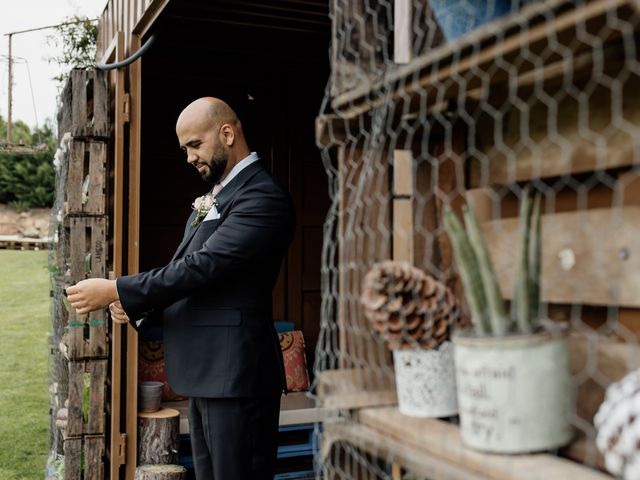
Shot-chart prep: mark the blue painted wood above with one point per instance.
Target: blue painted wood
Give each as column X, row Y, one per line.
column 284, row 326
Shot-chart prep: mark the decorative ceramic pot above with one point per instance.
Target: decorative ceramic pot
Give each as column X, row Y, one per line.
column 514, row 392
column 425, row 381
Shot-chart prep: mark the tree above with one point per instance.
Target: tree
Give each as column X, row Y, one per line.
column 44, row 135
column 21, row 133
column 78, row 38
column 27, row 178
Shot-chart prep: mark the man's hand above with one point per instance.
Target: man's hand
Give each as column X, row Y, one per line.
column 118, row 314
column 92, row 294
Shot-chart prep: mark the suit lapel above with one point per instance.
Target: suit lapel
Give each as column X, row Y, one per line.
column 228, row 193
column 185, row 241
column 224, row 198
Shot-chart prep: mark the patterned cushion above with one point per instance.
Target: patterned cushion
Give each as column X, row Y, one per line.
column 151, row 368
column 295, row 363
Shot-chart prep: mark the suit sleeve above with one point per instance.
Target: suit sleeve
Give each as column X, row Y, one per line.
column 260, row 222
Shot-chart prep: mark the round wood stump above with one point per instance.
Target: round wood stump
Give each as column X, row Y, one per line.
column 160, row 472
column 158, row 437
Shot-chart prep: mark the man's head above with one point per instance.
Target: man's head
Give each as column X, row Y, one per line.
column 211, row 134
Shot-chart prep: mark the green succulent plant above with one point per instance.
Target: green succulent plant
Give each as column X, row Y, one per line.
column 487, row 307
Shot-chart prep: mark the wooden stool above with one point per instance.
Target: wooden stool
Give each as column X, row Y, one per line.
column 158, row 438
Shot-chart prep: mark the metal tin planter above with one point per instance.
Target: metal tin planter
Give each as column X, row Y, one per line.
column 513, row 391
column 425, row 382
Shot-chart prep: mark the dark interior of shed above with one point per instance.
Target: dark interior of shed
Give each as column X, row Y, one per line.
column 270, row 62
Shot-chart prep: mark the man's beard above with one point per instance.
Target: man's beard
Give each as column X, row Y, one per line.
column 217, row 165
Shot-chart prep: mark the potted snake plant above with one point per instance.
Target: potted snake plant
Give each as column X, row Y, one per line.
column 512, row 367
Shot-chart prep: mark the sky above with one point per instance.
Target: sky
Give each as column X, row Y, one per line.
column 18, row 15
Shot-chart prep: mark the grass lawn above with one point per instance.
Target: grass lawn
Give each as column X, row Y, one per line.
column 24, row 367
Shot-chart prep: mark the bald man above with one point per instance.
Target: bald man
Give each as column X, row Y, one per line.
column 214, row 299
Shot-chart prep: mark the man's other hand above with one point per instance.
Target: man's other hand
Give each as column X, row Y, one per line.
column 92, row 294
column 118, row 314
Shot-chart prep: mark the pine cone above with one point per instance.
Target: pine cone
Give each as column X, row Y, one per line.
column 618, row 426
column 407, row 307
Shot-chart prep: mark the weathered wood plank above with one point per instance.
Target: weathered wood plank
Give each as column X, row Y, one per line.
column 580, row 263
column 87, row 334
column 72, row 458
column 78, row 127
column 87, row 245
column 379, row 444
column 86, row 392
column 94, row 457
column 570, row 147
column 403, row 228
column 100, row 104
column 97, row 373
column 403, row 172
column 442, row 440
column 356, row 388
column 402, row 31
column 87, row 163
column 596, row 362
column 87, row 452
column 75, row 421
column 86, row 105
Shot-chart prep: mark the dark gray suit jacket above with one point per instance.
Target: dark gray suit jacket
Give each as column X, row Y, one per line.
column 215, row 295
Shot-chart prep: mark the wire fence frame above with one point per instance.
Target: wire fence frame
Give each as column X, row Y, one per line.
column 541, row 97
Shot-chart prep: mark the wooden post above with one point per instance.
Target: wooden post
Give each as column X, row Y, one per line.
column 161, row 472
column 403, row 228
column 402, row 51
column 403, row 205
column 158, row 437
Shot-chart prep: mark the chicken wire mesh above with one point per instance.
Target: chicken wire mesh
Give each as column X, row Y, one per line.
column 58, row 366
column 450, row 103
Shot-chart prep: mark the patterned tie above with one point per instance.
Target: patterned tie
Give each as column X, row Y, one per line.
column 216, row 188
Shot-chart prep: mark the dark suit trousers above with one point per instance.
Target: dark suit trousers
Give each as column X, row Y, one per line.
column 234, row 438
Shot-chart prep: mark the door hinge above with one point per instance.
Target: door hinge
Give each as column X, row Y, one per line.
column 122, row 449
column 126, row 109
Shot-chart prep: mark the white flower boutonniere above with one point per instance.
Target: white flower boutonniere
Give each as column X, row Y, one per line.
column 202, row 205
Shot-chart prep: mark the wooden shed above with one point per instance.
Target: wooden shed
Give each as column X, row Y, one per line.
column 270, row 61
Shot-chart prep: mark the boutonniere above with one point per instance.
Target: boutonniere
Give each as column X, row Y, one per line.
column 202, row 205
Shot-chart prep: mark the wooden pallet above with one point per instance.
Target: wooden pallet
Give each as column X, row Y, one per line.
column 15, row 243
column 85, row 247
column 87, row 452
column 85, row 98
column 86, row 397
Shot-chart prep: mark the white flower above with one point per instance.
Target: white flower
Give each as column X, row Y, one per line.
column 202, row 205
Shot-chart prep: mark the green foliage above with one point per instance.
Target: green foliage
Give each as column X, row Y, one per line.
column 22, row 134
column 24, row 369
column 479, row 278
column 86, row 388
column 78, row 40
column 45, row 135
column 28, row 178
